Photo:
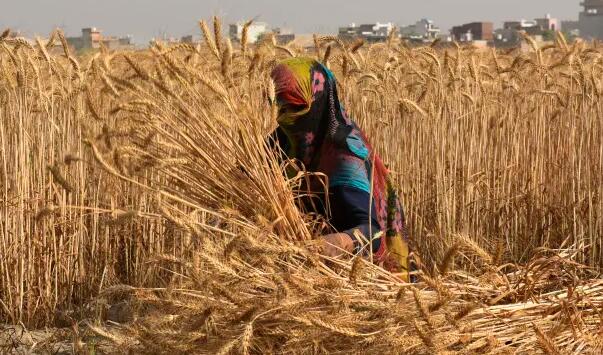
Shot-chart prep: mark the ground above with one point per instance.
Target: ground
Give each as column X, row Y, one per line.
column 18, row 340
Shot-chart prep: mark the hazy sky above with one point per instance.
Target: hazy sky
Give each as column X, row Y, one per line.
column 145, row 19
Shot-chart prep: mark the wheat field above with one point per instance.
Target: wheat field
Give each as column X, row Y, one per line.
column 144, row 176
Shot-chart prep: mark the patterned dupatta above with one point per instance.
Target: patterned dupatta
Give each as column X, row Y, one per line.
column 320, row 134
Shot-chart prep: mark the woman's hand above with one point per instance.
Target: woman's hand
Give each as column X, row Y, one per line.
column 334, row 245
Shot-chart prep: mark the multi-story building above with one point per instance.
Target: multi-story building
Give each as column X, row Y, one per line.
column 117, row 42
column 530, row 27
column 373, row 32
column 522, row 25
column 548, row 23
column 348, row 32
column 92, row 38
column 190, row 39
column 254, row 32
column 506, row 37
column 475, row 31
column 422, row 30
column 283, row 35
column 571, row 27
column 591, row 19
column 540, row 29
column 381, row 29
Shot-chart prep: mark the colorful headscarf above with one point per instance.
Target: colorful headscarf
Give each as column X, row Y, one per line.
column 322, row 136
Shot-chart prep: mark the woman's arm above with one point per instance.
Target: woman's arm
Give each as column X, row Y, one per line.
column 351, row 209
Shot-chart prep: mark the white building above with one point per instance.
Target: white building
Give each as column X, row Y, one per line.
column 371, row 32
column 423, row 29
column 382, row 29
column 254, row 32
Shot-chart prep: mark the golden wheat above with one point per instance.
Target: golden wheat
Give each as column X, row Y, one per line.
column 151, row 169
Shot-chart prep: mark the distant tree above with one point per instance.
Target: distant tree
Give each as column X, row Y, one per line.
column 570, row 36
column 548, row 35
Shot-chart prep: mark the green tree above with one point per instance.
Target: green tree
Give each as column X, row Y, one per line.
column 548, row 35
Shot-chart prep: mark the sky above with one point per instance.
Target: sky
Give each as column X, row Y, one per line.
column 146, row 19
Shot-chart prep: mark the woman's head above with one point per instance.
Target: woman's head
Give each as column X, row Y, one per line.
column 310, row 113
column 302, row 86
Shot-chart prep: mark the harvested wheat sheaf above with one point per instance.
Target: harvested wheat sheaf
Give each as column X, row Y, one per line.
column 498, row 157
column 262, row 300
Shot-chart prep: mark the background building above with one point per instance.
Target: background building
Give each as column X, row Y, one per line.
column 303, row 41
column 349, row 32
column 92, row 38
column 591, row 19
column 283, row 35
column 571, row 28
column 422, row 30
column 190, row 39
column 373, row 32
column 530, row 27
column 548, row 23
column 254, row 32
column 475, row 31
column 540, row 29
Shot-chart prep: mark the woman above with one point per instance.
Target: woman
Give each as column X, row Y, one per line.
column 315, row 130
